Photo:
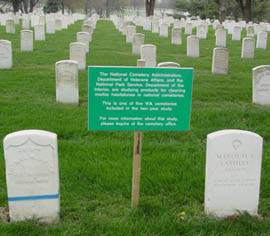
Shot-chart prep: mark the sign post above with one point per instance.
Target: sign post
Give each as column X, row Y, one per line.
column 137, row 157
column 138, row 99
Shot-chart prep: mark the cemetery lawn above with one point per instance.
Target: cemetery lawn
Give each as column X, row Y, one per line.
column 96, row 167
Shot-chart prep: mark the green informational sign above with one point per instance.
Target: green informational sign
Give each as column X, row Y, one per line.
column 131, row 98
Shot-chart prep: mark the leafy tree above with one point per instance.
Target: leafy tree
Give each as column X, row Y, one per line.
column 23, row 5
column 52, row 6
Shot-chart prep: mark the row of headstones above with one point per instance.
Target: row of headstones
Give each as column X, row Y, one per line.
column 202, row 30
column 160, row 25
column 220, row 55
column 220, row 61
column 33, row 20
column 27, row 44
column 232, row 178
column 150, row 23
column 67, row 88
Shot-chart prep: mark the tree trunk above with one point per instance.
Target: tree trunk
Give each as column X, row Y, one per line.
column 25, row 6
column 222, row 10
column 107, row 9
column 150, row 6
column 246, row 9
column 16, row 5
column 32, row 5
column 63, row 7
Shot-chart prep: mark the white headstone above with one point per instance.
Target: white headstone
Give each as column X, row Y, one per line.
column 67, row 90
column 164, row 30
column 148, row 53
column 32, row 176
column 201, row 32
column 77, row 53
column 248, row 48
column 221, row 38
column 233, row 170
column 155, row 26
column 236, row 34
column 5, row 54
column 131, row 30
column 250, row 31
column 26, row 40
column 87, row 28
column 10, row 26
column 220, row 61
column 138, row 41
column 261, row 85
column 188, row 29
column 25, row 23
column 50, row 27
column 168, row 65
column 262, row 40
column 177, row 36
column 40, row 32
column 58, row 24
column 147, row 25
column 193, row 47
column 83, row 37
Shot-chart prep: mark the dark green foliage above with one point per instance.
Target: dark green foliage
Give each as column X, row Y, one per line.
column 52, row 6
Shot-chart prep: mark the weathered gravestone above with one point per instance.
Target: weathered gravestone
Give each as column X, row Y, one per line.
column 87, row 28
column 248, row 48
column 163, row 32
column 58, row 24
column 155, row 26
column 236, row 34
column 67, row 90
column 261, row 85
column 10, row 26
column 221, row 38
column 250, row 31
column 5, row 54
column 193, row 48
column 220, row 61
column 77, row 53
column 31, row 158
column 233, row 170
column 148, row 53
column 50, row 27
column 177, row 24
column 26, row 40
column 131, row 30
column 84, row 37
column 25, row 23
column 201, row 32
column 147, row 25
column 39, row 32
column 177, row 36
column 138, row 41
column 188, row 29
column 41, row 20
column 262, row 40
column 258, row 28
column 168, row 65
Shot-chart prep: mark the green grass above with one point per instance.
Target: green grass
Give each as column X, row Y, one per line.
column 96, row 167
